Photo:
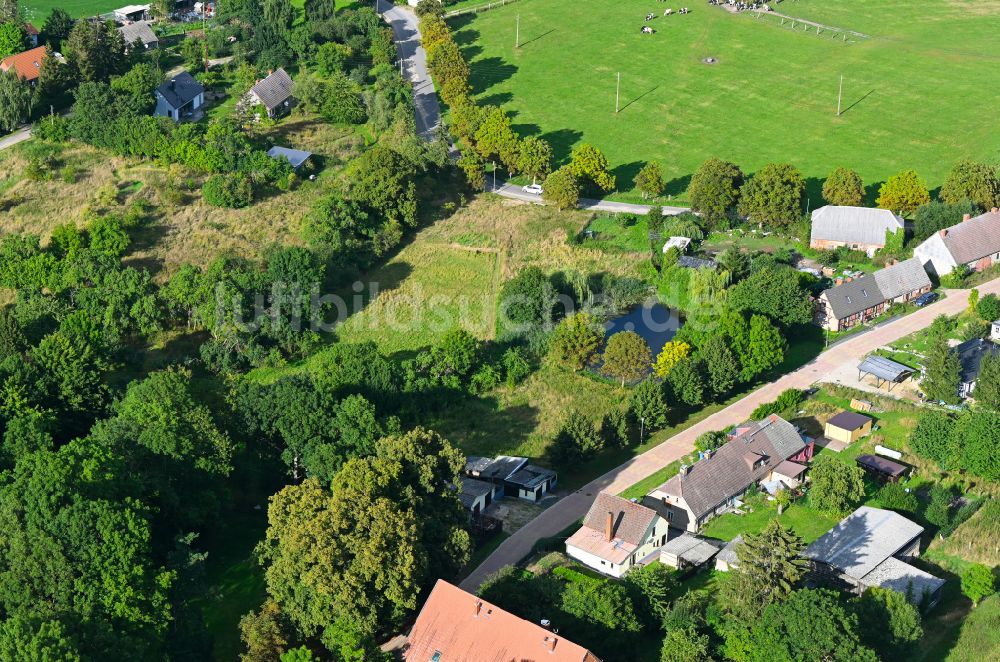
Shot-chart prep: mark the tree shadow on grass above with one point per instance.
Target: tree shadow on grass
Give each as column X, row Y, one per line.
column 525, row 130
column 625, row 174
column 496, row 99
column 487, row 72
column 562, row 141
column 465, row 37
column 677, row 186
column 470, row 52
column 814, row 193
column 871, row 192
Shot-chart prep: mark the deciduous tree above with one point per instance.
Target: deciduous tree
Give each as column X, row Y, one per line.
column 649, row 180
column 648, row 404
column 978, row 582
column 588, row 164
column 773, row 195
column 534, row 157
column 971, row 180
column 561, row 189
column 576, row 340
column 844, row 187
column 626, row 357
column 715, row 190
column 903, row 192
column 673, row 353
column 888, row 623
column 837, row 486
column 941, row 373
column 15, row 100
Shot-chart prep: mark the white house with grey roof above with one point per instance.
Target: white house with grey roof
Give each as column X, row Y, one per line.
column 180, row 97
column 973, row 243
column 274, row 93
column 757, row 451
column 857, row 228
column 856, row 301
column 871, row 547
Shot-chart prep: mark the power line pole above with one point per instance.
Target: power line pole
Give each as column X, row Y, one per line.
column 618, row 88
column 517, row 33
column 840, row 94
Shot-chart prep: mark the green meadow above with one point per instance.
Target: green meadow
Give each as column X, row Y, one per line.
column 914, row 90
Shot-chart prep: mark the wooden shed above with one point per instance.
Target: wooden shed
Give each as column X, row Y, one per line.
column 848, row 427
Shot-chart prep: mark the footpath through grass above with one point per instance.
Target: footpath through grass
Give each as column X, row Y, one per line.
column 771, row 95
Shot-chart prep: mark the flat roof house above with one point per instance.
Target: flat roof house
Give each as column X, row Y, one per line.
column 131, row 13
column 180, row 97
column 974, row 243
column 758, row 451
column 616, row 535
column 870, row 547
column 848, row 427
column 856, row 301
column 513, row 476
column 455, row 626
column 273, row 92
column 970, row 356
column 476, row 495
column 857, row 228
column 141, row 32
column 27, row 65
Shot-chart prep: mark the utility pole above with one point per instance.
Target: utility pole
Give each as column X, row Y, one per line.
column 494, row 164
column 618, row 88
column 517, row 33
column 840, row 93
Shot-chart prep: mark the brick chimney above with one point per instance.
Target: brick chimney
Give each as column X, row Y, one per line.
column 479, row 607
column 966, row 217
column 550, row 643
column 995, row 210
column 609, row 527
column 839, row 281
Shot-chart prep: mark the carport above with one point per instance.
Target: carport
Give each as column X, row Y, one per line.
column 885, row 371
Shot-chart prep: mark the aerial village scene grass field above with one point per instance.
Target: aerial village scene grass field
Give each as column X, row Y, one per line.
column 471, row 330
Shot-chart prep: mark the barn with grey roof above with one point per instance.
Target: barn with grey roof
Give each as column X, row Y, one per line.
column 857, row 228
column 973, row 244
column 859, row 300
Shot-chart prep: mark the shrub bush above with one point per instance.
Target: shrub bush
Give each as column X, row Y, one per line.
column 232, row 190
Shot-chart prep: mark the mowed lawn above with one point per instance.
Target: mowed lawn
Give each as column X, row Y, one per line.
column 37, row 10
column 913, row 93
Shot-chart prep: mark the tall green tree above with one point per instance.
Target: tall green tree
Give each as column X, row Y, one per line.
column 714, row 190
column 561, row 189
column 809, row 625
column 685, row 645
column 534, row 158
column 721, row 365
column 844, row 187
column 987, row 391
column 95, row 50
column 978, row 582
column 776, row 292
column 15, row 100
column 589, row 165
column 12, row 38
column 577, row 439
column 764, row 349
column 364, row 549
column 941, row 373
column 770, row 567
column 888, row 623
column 837, row 486
column 627, row 357
column 576, row 340
column 773, row 196
column 649, row 180
column 903, row 192
column 57, row 27
column 648, row 404
column 972, row 180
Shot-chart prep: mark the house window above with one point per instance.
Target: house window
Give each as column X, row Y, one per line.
column 670, row 515
column 436, row 657
column 603, row 563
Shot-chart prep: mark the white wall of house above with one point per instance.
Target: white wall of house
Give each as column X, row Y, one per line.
column 935, row 256
column 597, row 563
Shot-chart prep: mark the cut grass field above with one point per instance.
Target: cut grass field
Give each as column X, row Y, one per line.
column 771, row 96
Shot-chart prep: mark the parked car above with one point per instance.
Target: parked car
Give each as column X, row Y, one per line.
column 534, row 189
column 925, row 299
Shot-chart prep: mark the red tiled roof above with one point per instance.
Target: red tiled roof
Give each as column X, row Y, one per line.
column 26, row 64
column 460, row 627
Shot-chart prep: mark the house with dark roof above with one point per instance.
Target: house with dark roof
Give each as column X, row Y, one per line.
column 274, row 93
column 857, row 228
column 859, row 300
column 476, row 496
column 27, row 65
column 455, row 626
column 871, row 548
column 757, row 451
column 179, row 98
column 617, row 534
column 32, row 33
column 970, row 357
column 974, row 243
column 139, row 32
column 513, row 476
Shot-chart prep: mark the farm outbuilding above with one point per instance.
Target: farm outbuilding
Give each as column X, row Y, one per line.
column 882, row 468
column 885, row 371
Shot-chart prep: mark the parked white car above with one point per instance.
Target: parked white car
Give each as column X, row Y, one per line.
column 534, row 189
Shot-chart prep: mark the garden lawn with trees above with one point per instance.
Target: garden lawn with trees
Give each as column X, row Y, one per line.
column 677, row 111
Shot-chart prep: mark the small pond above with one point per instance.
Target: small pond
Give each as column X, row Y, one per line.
column 656, row 323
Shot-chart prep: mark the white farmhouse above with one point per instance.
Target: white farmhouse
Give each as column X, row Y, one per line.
column 617, row 535
column 974, row 243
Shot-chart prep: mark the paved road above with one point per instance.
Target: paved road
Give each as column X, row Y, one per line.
column 18, row 136
column 515, row 193
column 574, row 506
column 404, row 28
